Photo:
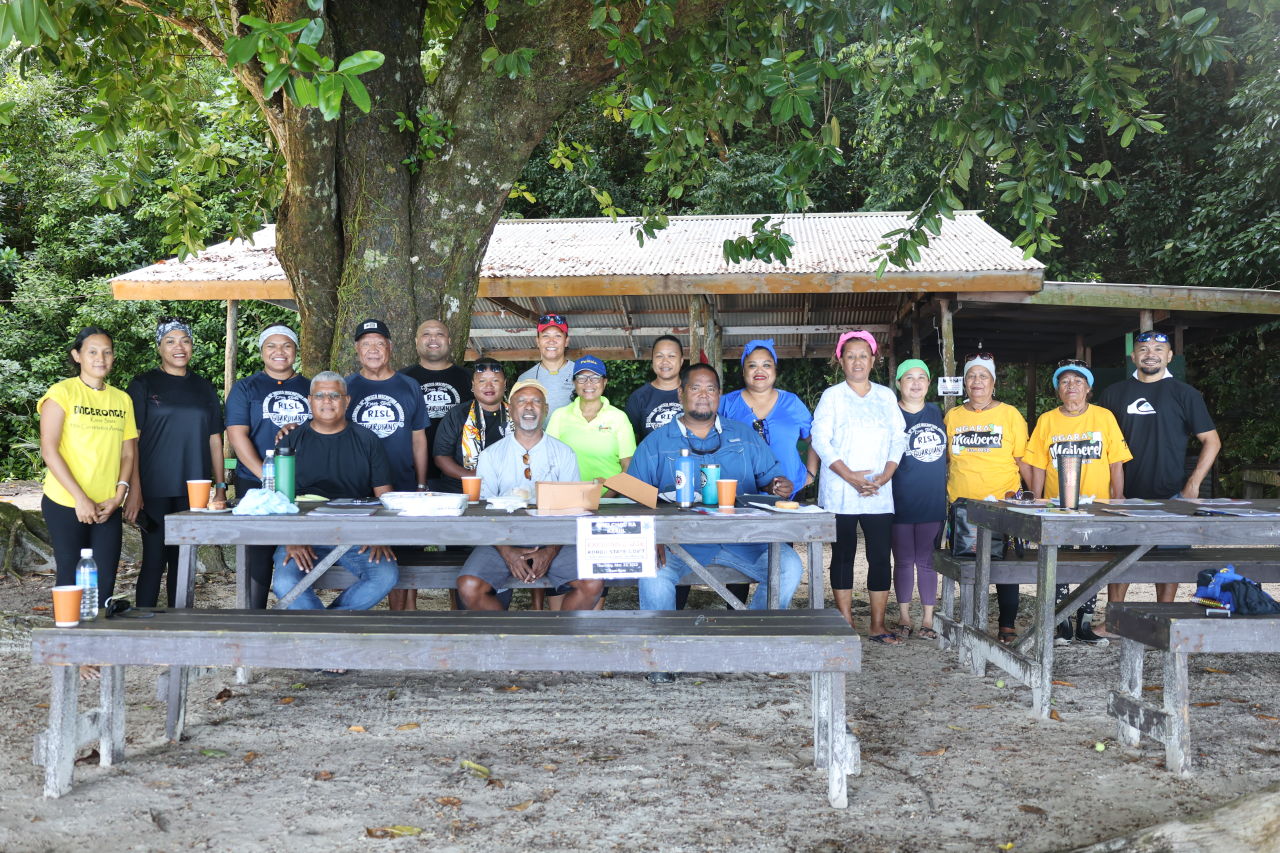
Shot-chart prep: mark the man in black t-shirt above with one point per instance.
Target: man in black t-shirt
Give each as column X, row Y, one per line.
column 337, row 460
column 471, row 426
column 444, row 385
column 657, row 402
column 1157, row 413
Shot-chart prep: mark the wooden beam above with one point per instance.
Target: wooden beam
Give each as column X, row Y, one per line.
column 192, row 290
column 620, row 353
column 877, row 329
column 514, row 308
column 1138, row 297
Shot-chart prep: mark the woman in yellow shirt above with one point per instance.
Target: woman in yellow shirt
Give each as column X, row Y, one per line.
column 1080, row 429
column 89, row 439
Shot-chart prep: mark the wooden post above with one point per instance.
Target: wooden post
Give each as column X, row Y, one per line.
column 915, row 334
column 890, row 360
column 229, row 363
column 695, row 316
column 1177, row 340
column 1146, row 320
column 948, row 347
column 1031, row 392
column 1080, row 347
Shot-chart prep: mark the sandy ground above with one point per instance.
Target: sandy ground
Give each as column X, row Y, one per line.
column 951, row 761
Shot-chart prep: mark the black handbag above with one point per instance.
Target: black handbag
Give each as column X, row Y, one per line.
column 964, row 536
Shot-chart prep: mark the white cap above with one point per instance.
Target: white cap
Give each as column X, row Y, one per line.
column 86, row 552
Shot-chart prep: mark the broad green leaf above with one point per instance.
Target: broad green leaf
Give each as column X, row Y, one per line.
column 361, row 61
column 359, row 94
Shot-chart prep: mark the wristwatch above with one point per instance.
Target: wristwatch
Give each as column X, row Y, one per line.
column 219, row 485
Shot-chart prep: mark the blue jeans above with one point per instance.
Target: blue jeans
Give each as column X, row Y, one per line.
column 659, row 593
column 375, row 580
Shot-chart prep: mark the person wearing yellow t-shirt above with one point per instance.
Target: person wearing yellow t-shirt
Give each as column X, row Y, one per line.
column 986, row 440
column 599, row 432
column 89, row 440
column 1080, row 429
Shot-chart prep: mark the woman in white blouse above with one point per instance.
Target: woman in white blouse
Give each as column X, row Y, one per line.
column 859, row 434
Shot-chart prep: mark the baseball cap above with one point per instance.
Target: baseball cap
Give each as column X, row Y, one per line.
column 371, row 325
column 547, row 321
column 589, row 364
column 527, row 383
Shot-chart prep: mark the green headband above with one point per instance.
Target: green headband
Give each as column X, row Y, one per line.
column 910, row 363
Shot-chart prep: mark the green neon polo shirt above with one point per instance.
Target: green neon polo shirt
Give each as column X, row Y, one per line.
column 599, row 444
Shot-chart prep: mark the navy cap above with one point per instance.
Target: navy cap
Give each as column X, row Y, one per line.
column 369, row 326
column 589, row 363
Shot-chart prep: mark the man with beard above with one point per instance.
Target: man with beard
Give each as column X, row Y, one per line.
column 444, row 385
column 512, row 466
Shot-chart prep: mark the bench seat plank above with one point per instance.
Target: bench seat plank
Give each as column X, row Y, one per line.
column 1260, row 564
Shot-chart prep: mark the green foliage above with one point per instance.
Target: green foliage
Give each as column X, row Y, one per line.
column 433, row 134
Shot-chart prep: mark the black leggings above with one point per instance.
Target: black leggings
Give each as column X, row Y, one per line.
column 69, row 534
column 1007, row 602
column 259, row 567
column 877, row 530
column 156, row 556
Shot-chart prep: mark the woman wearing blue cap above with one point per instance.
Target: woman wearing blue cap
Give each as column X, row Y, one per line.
column 1076, row 427
column 599, row 432
column 780, row 417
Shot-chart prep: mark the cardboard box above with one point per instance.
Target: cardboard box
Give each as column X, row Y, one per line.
column 567, row 496
column 636, row 489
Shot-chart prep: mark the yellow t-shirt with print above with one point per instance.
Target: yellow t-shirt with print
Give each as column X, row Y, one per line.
column 1093, row 434
column 95, row 425
column 981, row 449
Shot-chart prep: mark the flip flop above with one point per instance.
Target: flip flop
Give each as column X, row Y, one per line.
column 885, row 639
column 903, row 630
column 927, row 634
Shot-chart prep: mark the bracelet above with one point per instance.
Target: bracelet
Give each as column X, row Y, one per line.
column 812, row 473
column 219, row 485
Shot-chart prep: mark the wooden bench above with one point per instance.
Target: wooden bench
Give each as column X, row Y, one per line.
column 1176, row 630
column 818, row 642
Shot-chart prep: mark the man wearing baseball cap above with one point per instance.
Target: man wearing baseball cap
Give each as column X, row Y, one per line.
column 554, row 372
column 525, row 456
column 390, row 405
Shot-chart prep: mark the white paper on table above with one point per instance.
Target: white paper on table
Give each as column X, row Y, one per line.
column 616, row 547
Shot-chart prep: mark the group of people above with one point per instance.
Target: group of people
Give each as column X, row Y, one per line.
column 886, row 464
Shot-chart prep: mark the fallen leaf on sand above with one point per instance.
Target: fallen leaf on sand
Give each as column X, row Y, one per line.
column 1218, row 671
column 213, row 753
column 1062, row 683
column 298, row 686
column 512, row 689
column 496, row 783
column 519, row 807
column 286, row 700
column 1264, row 751
column 1055, row 716
column 1204, row 704
column 223, row 695
column 92, row 758
column 451, row 802
column 408, row 726
column 980, row 707
column 478, row 769
column 957, row 728
column 249, row 757
column 1032, row 809
column 355, row 728
column 1008, row 845
column 1003, row 749
column 44, row 705
column 392, row 831
column 551, row 767
column 1268, row 717
column 323, row 775
column 934, row 752
column 1150, row 687
column 41, row 608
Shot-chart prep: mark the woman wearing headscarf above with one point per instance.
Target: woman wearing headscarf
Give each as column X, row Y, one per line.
column 986, row 442
column 1084, row 430
column 779, row 417
column 89, row 442
column 859, row 434
column 919, row 499
column 179, row 438
column 257, row 407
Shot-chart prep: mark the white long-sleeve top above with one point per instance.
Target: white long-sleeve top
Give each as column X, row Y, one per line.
column 866, row 433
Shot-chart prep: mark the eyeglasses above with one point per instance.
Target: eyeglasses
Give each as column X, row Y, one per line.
column 1072, row 362
column 1146, row 337
column 326, row 395
column 761, row 427
column 552, row 319
column 528, row 475
column 588, row 379
column 115, row 605
column 983, row 355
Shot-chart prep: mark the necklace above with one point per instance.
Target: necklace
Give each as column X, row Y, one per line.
column 91, row 385
column 990, row 404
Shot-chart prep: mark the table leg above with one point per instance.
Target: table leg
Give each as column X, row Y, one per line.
column 1130, row 686
column 179, row 675
column 968, row 598
column 243, row 673
column 59, row 744
column 1177, row 746
column 821, row 702
column 838, row 764
column 111, row 721
column 817, row 588
column 1041, row 669
column 775, row 575
column 185, row 593
column 981, row 599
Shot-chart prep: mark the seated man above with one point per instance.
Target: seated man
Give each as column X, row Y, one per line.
column 337, row 460
column 525, row 456
column 743, row 456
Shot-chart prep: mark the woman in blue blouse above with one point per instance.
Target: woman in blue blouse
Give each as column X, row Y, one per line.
column 779, row 417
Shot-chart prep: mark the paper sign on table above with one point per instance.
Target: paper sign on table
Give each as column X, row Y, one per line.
column 620, row 547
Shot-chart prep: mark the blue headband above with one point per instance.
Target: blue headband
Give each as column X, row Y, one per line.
column 167, row 326
column 763, row 343
column 1077, row 368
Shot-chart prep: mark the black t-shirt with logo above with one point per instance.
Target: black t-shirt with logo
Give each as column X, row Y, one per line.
column 345, row 465
column 264, row 405
column 391, row 409
column 1156, row 418
column 441, row 391
column 920, row 483
column 649, row 408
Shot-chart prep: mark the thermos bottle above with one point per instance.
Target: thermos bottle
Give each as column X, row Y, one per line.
column 686, row 479
column 286, row 472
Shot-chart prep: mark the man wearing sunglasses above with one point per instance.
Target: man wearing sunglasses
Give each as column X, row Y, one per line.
column 554, row 372
column 526, row 456
column 1156, row 414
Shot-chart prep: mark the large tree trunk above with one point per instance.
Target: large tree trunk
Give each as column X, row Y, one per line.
column 361, row 235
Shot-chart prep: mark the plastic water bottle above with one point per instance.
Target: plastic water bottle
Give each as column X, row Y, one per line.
column 686, row 479
column 269, row 471
column 87, row 579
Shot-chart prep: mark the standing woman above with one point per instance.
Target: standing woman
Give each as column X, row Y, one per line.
column 919, row 499
column 987, row 440
column 1078, row 428
column 179, row 439
column 780, row 417
column 859, row 434
column 89, row 442
column 257, row 407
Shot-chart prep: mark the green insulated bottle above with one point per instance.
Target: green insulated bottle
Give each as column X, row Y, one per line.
column 286, row 471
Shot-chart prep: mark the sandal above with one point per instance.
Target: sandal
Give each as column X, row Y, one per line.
column 1008, row 636
column 885, row 639
column 903, row 630
column 927, row 633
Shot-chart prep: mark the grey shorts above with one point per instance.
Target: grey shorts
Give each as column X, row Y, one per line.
column 487, row 564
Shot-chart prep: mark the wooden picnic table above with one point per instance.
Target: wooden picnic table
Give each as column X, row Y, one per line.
column 1030, row 659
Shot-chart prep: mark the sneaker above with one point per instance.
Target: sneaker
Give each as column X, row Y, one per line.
column 1064, row 631
column 660, row 677
column 1084, row 633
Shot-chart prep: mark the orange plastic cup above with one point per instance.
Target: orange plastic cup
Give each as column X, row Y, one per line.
column 66, row 605
column 471, row 486
column 198, row 493
column 726, row 491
